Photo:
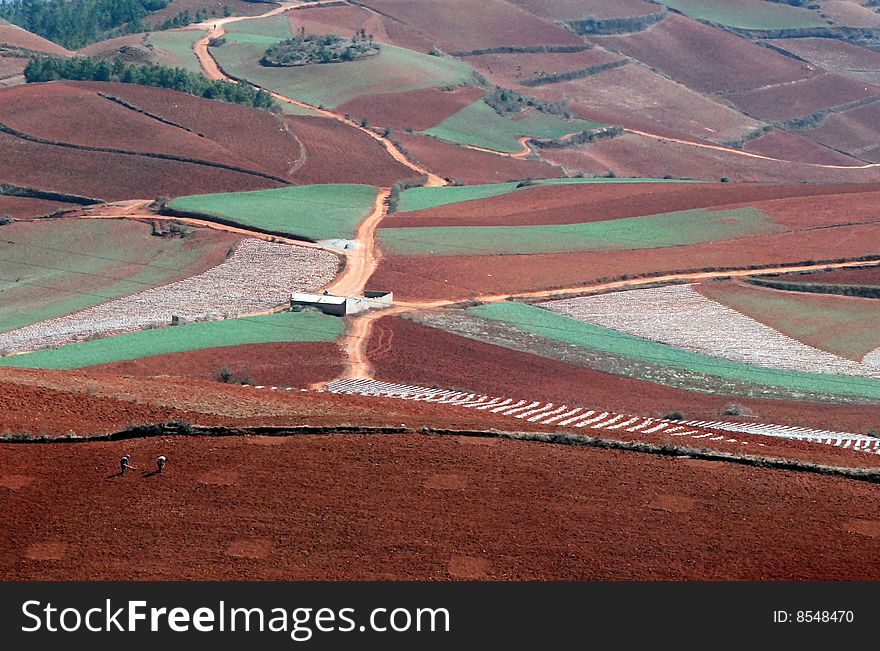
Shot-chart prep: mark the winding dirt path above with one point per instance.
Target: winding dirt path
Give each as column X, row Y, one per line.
column 362, row 261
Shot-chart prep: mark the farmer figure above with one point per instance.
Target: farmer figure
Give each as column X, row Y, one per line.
column 123, row 464
column 160, row 462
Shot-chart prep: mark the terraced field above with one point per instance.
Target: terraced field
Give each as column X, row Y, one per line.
column 313, row 211
column 748, row 14
column 257, row 276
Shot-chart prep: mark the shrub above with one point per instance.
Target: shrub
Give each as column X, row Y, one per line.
column 674, row 415
column 5, row 219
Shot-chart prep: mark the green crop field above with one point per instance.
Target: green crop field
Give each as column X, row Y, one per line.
column 748, row 14
column 480, row 125
column 57, row 267
column 393, row 70
column 430, row 197
column 838, row 324
column 653, row 231
column 308, row 325
column 531, row 319
column 315, row 212
column 260, row 30
column 179, row 45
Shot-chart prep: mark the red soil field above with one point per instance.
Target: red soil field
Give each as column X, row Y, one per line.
column 17, row 37
column 283, row 364
column 577, row 9
column 74, row 114
column 417, row 110
column 511, row 69
column 428, row 356
column 859, row 206
column 856, row 131
column 472, row 166
column 700, row 56
column 803, row 97
column 338, row 153
column 213, row 7
column 856, row 276
column 113, row 177
column 850, row 13
column 835, row 56
column 456, row 25
column 11, row 66
column 571, row 204
column 427, row 277
column 790, row 146
column 635, row 155
column 420, row 507
column 255, row 135
column 24, row 208
column 636, row 97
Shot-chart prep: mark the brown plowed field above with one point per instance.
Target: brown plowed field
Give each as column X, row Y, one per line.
column 790, row 146
column 576, row 203
column 850, row 13
column 577, row 9
column 113, row 176
column 23, row 208
column 699, row 56
column 338, row 153
column 456, row 25
column 852, row 131
column 255, row 135
column 636, row 97
column 803, row 97
column 428, row 356
column 417, row 110
column 283, row 364
column 826, row 210
column 73, row 114
column 419, row 507
column 635, row 155
column 863, row 276
column 472, row 166
column 11, row 66
column 427, row 277
column 236, row 7
column 17, row 37
column 511, row 69
column 836, row 56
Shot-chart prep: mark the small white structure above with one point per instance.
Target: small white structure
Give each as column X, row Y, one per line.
column 342, row 305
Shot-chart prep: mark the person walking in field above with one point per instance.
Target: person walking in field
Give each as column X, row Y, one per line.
column 124, row 464
column 160, row 463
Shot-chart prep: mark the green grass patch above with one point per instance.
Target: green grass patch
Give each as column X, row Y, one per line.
column 748, row 14
column 480, row 125
column 308, row 325
column 535, row 320
column 423, row 198
column 393, row 70
column 272, row 29
column 316, row 212
column 838, row 324
column 58, row 267
column 179, row 45
column 653, row 231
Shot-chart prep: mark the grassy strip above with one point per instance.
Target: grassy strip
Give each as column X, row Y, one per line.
column 652, row 231
column 747, row 15
column 839, row 289
column 281, row 327
column 531, row 319
column 424, row 198
column 179, row 46
column 310, row 211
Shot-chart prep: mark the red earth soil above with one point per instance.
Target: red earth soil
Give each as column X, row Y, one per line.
column 420, row 507
column 636, row 97
column 699, row 56
column 432, row 277
column 114, row 176
column 850, row 14
column 338, row 153
column 834, row 55
column 255, row 135
column 281, row 364
column 635, row 155
column 24, row 208
column 427, row 356
column 471, row 166
column 510, row 69
column 790, row 146
column 12, row 66
column 457, row 25
column 803, row 97
column 213, row 7
column 136, row 51
column 576, row 203
column 826, row 210
column 858, row 276
column 17, row 37
column 416, row 110
column 854, row 131
column 74, row 114
column 577, row 9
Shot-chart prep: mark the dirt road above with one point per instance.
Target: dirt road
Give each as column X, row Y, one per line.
column 362, row 261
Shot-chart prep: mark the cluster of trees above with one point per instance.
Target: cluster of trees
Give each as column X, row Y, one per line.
column 88, row 69
column 506, row 102
column 308, row 48
column 76, row 24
